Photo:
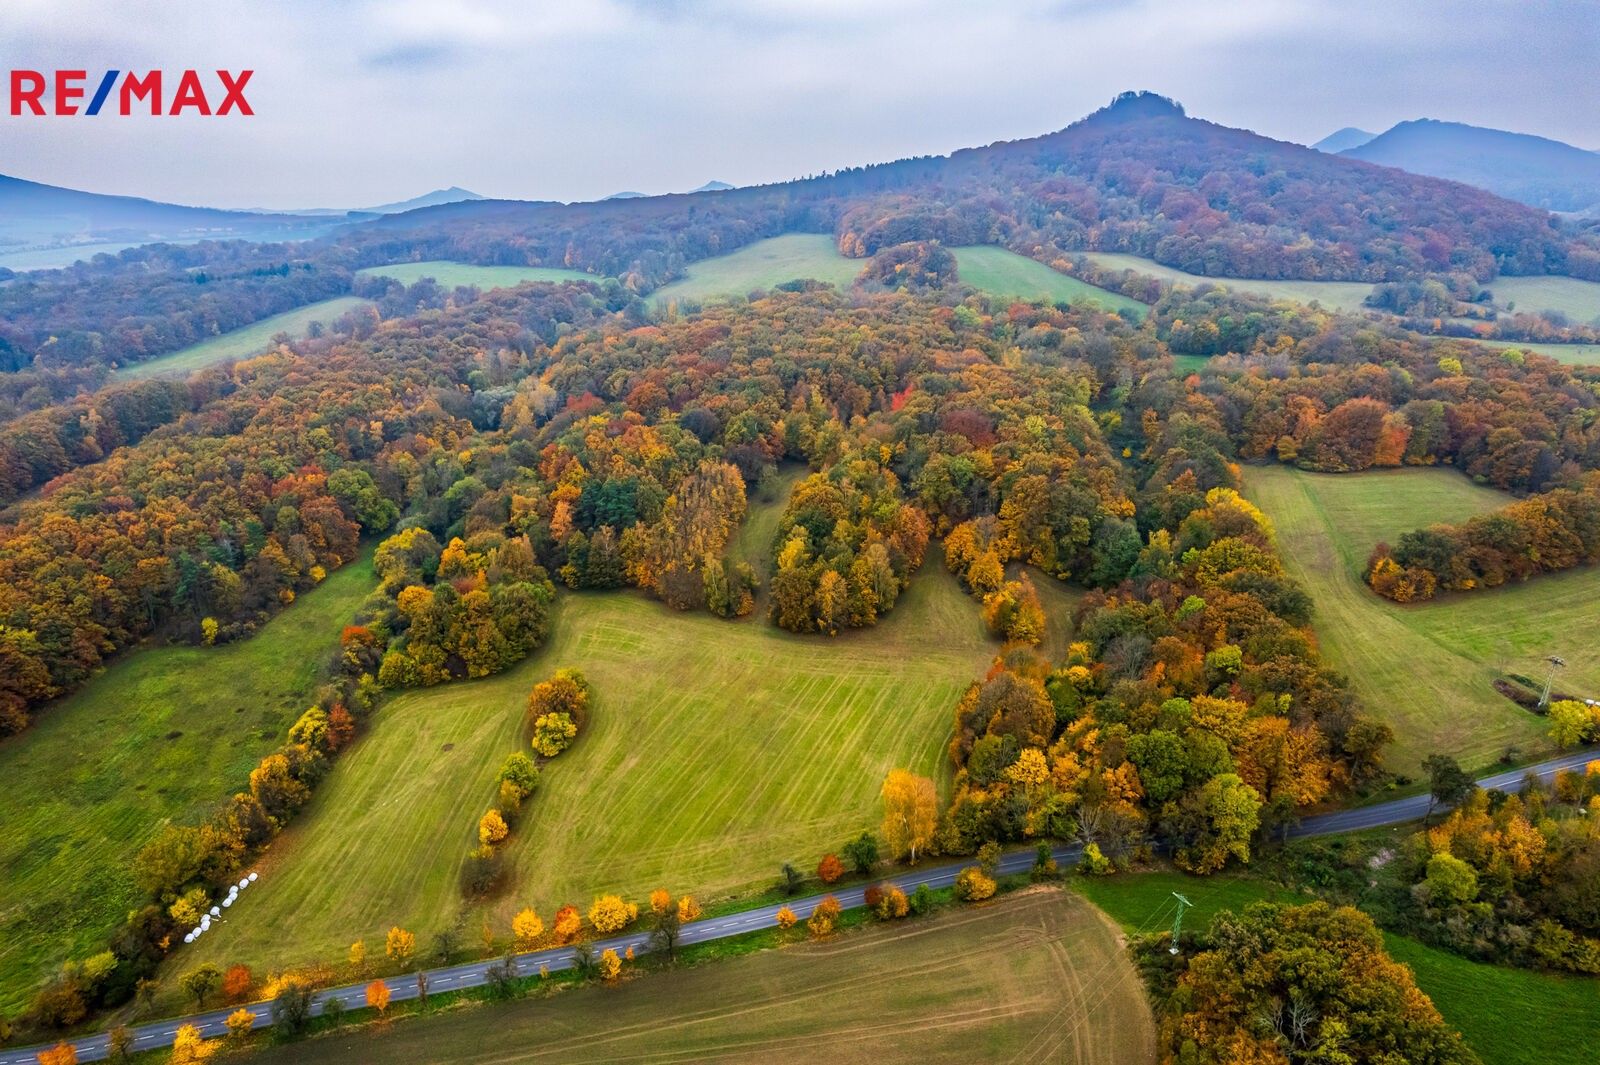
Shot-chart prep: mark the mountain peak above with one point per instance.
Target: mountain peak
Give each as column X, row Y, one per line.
column 1133, row 105
column 1342, row 140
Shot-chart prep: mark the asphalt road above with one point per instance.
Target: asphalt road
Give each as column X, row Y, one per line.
column 474, row 974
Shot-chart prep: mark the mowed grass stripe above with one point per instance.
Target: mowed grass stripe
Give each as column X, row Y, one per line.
column 715, row 751
column 1426, row 668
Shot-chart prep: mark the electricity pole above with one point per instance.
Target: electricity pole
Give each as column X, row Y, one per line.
column 1549, row 679
column 1177, row 921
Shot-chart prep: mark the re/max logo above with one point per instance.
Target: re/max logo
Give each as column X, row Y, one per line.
column 189, row 92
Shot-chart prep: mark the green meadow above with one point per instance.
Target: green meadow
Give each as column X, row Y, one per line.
column 453, row 274
column 163, row 734
column 242, row 343
column 1006, row 274
column 762, row 265
column 1335, row 295
column 714, row 752
column 1426, row 668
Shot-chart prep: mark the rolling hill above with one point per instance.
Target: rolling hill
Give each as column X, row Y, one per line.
column 36, row 215
column 1139, row 177
column 1519, row 166
column 1342, row 140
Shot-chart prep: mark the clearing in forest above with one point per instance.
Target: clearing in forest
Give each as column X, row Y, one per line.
column 244, row 342
column 452, row 274
column 1426, row 668
column 164, row 733
column 714, row 752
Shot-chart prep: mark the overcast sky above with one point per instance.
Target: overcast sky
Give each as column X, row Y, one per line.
column 360, row 102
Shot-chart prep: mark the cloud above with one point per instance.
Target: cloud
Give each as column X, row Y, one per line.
column 413, row 56
column 367, row 101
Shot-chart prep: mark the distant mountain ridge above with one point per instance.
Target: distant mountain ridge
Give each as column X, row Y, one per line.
column 1342, row 140
column 453, row 194
column 710, row 186
column 39, row 215
column 1537, row 171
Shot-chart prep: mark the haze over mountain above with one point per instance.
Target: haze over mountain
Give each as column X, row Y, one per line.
column 1343, row 140
column 1533, row 170
column 453, row 194
column 710, row 186
column 38, row 215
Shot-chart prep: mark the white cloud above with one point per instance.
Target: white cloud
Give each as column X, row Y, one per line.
column 361, row 102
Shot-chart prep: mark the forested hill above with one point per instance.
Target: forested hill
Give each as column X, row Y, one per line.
column 1138, row 176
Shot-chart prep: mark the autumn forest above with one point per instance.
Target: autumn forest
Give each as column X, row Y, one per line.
column 1152, row 692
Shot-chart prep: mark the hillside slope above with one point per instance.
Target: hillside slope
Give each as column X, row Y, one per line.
column 32, row 213
column 1139, row 176
column 1341, row 140
column 1533, row 170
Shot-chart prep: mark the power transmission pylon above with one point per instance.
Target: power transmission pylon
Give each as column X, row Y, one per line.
column 1549, row 679
column 1177, row 921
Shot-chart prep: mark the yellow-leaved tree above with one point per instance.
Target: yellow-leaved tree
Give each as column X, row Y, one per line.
column 189, row 1047
column 400, row 945
column 610, row 914
column 910, row 813
column 492, row 828
column 527, row 927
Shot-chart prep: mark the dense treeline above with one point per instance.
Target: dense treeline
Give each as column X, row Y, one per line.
column 209, row 525
column 1276, row 984
column 919, row 415
column 1552, row 531
column 1508, row 877
column 1193, row 709
column 47, row 443
column 1340, row 395
column 464, row 610
column 149, row 301
column 1511, row 877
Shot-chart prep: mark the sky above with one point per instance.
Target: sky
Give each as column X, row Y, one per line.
column 360, row 102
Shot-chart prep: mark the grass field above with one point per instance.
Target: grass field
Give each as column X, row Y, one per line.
column 715, row 751
column 1034, row 977
column 1509, row 1016
column 1004, row 273
column 55, row 258
column 763, row 265
column 163, row 733
column 1426, row 668
column 1571, row 354
column 452, row 274
column 1335, row 295
column 1578, row 300
column 242, row 343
